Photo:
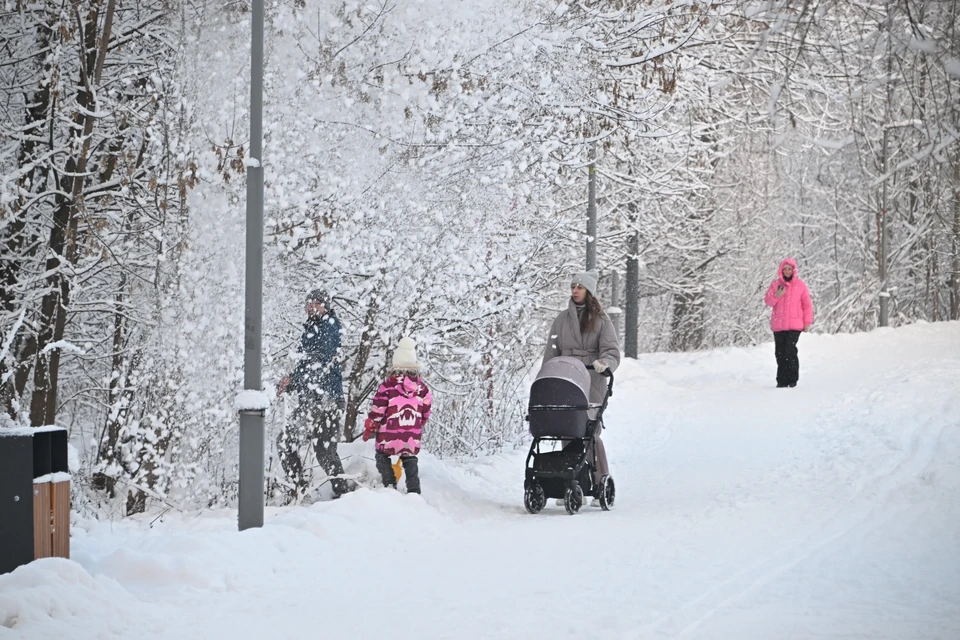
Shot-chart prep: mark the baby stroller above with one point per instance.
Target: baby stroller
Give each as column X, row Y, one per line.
column 560, row 411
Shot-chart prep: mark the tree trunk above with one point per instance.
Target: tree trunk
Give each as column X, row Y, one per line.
column 44, row 378
column 63, row 234
column 632, row 294
column 355, row 391
column 686, row 325
column 110, row 437
column 955, row 246
column 14, row 240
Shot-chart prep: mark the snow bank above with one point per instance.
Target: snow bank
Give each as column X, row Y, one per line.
column 54, row 597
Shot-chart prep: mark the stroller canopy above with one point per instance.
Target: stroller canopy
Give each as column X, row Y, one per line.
column 559, row 399
column 569, row 369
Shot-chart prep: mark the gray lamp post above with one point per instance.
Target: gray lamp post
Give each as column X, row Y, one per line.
column 250, row 513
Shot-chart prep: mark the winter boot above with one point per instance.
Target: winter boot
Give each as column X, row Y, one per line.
column 412, row 471
column 386, row 470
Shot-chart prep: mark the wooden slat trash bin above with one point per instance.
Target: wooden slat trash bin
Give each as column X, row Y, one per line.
column 34, row 495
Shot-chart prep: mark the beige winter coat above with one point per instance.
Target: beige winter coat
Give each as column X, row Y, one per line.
column 600, row 344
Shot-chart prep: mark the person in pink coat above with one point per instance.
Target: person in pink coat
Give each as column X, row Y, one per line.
column 792, row 313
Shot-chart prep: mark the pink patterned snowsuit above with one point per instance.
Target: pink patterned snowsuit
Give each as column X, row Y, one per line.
column 401, row 407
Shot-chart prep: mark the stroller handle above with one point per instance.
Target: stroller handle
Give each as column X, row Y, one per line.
column 608, row 375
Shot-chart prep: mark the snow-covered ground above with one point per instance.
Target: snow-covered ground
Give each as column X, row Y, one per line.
column 744, row 511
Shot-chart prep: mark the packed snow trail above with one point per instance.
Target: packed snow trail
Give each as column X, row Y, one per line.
column 743, row 511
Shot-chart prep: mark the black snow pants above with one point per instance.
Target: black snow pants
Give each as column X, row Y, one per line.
column 321, row 426
column 788, row 364
column 411, row 470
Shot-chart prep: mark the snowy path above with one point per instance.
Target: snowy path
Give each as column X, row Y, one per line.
column 827, row 511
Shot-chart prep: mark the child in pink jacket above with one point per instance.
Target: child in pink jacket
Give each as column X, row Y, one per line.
column 792, row 313
column 401, row 408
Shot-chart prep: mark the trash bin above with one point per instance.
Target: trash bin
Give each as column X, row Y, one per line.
column 34, row 496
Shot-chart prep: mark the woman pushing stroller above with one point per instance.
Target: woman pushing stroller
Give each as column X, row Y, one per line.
column 584, row 331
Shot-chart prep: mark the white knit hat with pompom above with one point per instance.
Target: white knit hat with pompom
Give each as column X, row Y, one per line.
column 405, row 357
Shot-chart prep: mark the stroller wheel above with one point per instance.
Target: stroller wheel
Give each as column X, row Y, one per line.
column 608, row 493
column 573, row 499
column 534, row 499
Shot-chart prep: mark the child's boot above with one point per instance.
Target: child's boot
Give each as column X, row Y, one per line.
column 412, row 471
column 386, row 470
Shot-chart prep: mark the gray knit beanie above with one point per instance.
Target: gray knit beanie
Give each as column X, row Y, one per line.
column 587, row 280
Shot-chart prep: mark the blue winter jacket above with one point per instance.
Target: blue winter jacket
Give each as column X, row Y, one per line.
column 317, row 377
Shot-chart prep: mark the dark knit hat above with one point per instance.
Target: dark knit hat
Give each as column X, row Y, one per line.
column 318, row 295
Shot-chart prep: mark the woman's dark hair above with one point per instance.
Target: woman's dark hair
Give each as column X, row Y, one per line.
column 591, row 313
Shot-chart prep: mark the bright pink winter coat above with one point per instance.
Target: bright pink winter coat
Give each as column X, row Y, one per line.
column 401, row 407
column 793, row 310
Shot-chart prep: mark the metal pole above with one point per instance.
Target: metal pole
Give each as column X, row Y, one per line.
column 592, row 219
column 615, row 312
column 250, row 513
column 632, row 312
column 884, row 204
column 884, row 291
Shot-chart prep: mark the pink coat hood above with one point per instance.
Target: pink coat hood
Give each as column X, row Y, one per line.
column 793, row 310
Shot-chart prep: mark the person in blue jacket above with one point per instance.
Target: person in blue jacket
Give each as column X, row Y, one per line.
column 318, row 380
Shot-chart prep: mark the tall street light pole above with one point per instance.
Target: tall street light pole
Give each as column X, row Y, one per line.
column 250, row 512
